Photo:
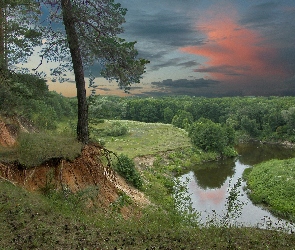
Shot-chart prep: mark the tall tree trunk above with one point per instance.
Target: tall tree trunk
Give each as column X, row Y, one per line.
column 72, row 37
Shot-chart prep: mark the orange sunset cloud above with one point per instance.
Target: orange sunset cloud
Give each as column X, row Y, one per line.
column 234, row 51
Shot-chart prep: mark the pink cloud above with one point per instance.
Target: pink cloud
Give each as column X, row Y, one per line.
column 234, row 52
column 216, row 197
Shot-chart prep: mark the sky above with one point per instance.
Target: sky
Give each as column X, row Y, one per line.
column 211, row 48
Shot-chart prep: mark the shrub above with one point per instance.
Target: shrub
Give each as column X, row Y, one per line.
column 182, row 119
column 210, row 136
column 116, row 129
column 126, row 168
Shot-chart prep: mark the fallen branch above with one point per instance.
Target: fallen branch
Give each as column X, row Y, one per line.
column 8, row 180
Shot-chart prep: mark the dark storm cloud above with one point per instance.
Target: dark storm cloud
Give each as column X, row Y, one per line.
column 188, row 64
column 152, row 55
column 165, row 28
column 104, row 89
column 260, row 14
column 184, row 83
column 275, row 21
column 286, row 57
column 135, row 88
column 223, row 69
column 160, row 27
column 174, row 62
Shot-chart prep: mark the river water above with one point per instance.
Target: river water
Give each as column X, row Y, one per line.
column 209, row 186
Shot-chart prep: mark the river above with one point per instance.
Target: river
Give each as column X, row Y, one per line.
column 208, row 187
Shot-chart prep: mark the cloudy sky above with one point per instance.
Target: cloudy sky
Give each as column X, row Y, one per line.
column 211, row 48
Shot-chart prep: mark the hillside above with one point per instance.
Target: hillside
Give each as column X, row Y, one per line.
column 87, row 170
column 82, row 202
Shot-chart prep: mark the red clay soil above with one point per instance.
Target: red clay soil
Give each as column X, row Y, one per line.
column 6, row 137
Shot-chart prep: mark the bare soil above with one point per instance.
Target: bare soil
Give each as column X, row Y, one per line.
column 7, row 137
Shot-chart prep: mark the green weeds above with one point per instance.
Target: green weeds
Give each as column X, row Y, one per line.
column 272, row 183
column 116, row 129
column 33, row 149
column 121, row 201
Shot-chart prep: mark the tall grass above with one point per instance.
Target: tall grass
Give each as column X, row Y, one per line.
column 36, row 148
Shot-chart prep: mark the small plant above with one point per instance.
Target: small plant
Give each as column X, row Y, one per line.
column 183, row 204
column 126, row 167
column 121, row 201
column 233, row 205
column 49, row 184
column 233, row 212
column 116, row 129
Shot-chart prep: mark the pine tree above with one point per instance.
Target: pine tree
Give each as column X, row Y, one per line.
column 91, row 28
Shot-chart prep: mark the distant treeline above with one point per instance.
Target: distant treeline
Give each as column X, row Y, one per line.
column 263, row 118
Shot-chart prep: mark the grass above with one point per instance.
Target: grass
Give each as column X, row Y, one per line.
column 272, row 183
column 33, row 149
column 33, row 221
column 143, row 138
column 8, row 154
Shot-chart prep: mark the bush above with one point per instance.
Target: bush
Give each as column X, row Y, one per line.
column 210, row 136
column 126, row 168
column 116, row 129
column 182, row 119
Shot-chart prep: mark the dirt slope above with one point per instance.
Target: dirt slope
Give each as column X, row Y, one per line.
column 7, row 138
column 85, row 171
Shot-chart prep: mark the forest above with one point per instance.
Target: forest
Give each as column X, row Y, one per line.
column 268, row 119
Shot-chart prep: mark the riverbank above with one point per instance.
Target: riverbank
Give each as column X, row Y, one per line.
column 32, row 221
column 272, row 184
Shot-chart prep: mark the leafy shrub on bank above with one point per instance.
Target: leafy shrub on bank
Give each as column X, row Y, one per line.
column 116, row 129
column 126, row 168
column 210, row 136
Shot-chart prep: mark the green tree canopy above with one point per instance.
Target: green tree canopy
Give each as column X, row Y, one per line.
column 19, row 33
column 210, row 136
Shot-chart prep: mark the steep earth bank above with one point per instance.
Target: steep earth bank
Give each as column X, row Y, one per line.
column 88, row 170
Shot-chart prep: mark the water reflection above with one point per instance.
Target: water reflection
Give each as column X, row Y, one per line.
column 214, row 174
column 254, row 153
column 209, row 186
